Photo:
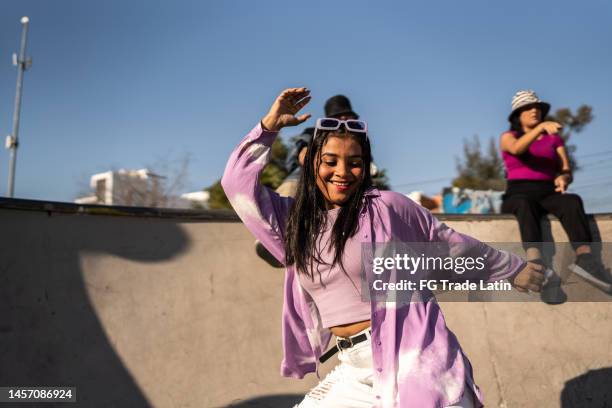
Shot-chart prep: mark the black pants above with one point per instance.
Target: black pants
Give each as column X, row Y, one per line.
column 529, row 200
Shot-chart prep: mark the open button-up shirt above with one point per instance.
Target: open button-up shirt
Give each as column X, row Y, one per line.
column 418, row 361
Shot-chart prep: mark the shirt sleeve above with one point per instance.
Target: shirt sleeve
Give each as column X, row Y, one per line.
column 558, row 141
column 261, row 209
column 496, row 264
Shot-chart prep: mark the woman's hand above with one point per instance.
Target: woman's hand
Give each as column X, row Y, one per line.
column 285, row 107
column 530, row 278
column 549, row 127
column 561, row 183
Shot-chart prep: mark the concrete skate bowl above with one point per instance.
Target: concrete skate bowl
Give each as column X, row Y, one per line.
column 168, row 308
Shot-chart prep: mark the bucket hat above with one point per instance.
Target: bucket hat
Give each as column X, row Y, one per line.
column 527, row 97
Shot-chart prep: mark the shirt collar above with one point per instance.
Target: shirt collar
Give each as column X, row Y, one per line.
column 372, row 192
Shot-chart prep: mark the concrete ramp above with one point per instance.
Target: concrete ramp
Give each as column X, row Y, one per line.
column 148, row 308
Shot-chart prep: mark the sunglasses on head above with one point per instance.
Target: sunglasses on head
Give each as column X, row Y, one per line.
column 352, row 125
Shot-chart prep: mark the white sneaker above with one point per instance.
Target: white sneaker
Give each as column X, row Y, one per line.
column 591, row 277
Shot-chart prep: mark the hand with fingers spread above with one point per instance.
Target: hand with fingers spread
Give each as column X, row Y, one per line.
column 530, row 278
column 285, row 108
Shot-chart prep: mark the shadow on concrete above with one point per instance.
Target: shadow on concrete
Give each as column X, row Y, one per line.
column 50, row 334
column 592, row 389
column 269, row 401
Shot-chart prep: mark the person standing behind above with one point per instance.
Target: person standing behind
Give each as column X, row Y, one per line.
column 294, row 163
column 538, row 173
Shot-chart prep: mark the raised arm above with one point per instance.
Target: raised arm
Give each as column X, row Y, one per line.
column 511, row 144
column 261, row 209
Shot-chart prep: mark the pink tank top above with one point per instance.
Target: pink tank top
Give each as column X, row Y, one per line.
column 539, row 162
column 337, row 296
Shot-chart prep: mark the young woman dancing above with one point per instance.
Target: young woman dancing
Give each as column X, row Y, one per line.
column 391, row 354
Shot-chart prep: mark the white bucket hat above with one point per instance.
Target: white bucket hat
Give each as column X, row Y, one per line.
column 527, row 97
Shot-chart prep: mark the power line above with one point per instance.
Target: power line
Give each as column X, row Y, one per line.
column 607, row 160
column 582, row 156
column 605, row 178
column 587, row 165
column 600, row 165
column 584, row 186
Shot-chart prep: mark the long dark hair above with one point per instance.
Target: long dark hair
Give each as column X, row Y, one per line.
column 308, row 214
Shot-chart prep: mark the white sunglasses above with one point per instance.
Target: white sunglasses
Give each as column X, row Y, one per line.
column 352, row 125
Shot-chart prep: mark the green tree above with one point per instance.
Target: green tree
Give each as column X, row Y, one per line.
column 572, row 123
column 480, row 170
column 217, row 200
column 273, row 175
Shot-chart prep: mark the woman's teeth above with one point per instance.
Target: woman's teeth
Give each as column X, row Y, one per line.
column 344, row 184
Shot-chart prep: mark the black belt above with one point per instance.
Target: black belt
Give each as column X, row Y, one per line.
column 343, row 343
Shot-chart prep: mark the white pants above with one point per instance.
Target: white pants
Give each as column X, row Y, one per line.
column 350, row 383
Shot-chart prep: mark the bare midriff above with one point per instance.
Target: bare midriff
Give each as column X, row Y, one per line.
column 350, row 329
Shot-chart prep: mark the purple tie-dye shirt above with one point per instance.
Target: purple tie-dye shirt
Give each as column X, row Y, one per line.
column 417, row 360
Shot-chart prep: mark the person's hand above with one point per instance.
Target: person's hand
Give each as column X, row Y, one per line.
column 530, row 278
column 549, row 127
column 284, row 109
column 561, row 183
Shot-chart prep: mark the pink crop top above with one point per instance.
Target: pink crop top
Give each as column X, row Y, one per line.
column 339, row 297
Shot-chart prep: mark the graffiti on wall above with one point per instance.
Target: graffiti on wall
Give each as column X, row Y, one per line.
column 467, row 201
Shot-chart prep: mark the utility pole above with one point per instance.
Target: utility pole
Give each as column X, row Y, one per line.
column 12, row 140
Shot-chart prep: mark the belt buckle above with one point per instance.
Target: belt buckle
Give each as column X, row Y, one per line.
column 344, row 343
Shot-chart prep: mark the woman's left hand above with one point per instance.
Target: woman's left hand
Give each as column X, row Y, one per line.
column 530, row 278
column 561, row 183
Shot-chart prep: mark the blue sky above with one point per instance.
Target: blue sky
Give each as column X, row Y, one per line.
column 123, row 84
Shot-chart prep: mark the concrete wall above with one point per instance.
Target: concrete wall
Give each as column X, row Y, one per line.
column 173, row 309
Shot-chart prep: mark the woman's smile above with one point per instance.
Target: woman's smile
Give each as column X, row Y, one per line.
column 341, row 186
column 340, row 169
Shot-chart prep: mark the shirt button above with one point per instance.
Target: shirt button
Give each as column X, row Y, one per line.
column 378, row 397
column 378, row 343
column 379, row 370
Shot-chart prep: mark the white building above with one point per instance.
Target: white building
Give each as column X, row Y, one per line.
column 125, row 187
column 138, row 188
column 196, row 199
